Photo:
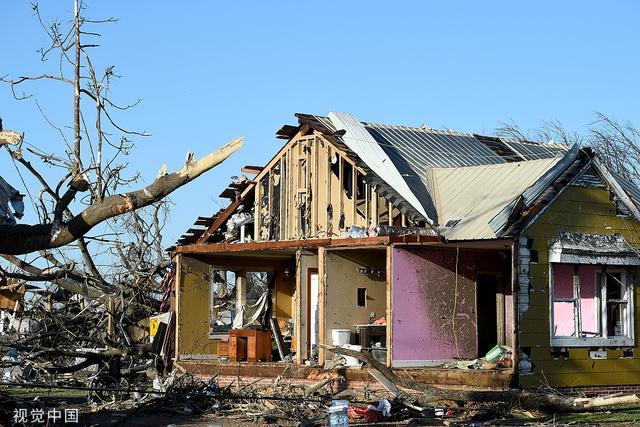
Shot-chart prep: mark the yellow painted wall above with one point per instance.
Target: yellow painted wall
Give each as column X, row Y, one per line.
column 342, row 281
column 193, row 309
column 584, row 210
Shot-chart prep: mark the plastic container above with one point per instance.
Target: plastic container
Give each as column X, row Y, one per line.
column 338, row 413
column 340, row 336
column 348, row 360
column 495, row 354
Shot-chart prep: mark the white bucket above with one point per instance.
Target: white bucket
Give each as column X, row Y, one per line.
column 340, row 336
column 348, row 360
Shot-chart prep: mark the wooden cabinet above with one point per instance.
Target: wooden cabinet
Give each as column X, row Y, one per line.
column 249, row 345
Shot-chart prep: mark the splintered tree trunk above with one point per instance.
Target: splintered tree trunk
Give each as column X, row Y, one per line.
column 22, row 239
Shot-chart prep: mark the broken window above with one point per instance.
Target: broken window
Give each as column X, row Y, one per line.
column 592, row 305
column 223, row 301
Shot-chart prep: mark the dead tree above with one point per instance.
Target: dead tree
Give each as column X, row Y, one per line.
column 95, row 258
column 616, row 142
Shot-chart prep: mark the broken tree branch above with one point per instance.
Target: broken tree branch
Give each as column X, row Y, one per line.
column 22, row 238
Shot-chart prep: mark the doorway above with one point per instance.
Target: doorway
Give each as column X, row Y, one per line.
column 487, row 312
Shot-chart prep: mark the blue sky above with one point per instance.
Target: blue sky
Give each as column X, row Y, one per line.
column 210, row 71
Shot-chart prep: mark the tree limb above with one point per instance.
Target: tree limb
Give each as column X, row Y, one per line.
column 22, row 238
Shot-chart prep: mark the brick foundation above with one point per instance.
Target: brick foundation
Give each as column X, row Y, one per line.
column 600, row 390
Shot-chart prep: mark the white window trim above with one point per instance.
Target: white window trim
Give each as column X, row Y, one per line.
column 603, row 341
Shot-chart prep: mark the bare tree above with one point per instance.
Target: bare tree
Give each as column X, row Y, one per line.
column 92, row 159
column 617, row 143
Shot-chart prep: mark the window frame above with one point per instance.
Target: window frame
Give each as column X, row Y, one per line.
column 601, row 310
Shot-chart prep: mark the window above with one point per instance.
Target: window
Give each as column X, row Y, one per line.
column 239, row 296
column 592, row 305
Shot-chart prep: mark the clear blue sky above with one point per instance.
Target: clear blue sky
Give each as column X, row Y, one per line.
column 209, row 71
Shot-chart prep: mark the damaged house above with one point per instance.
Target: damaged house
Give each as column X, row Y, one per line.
column 425, row 248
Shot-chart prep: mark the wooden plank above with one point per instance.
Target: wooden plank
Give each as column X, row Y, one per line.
column 251, row 169
column 228, row 193
column 322, row 303
column 212, row 248
column 204, row 221
column 220, row 219
column 176, row 307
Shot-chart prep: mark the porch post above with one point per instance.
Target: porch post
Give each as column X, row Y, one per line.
column 321, row 302
column 389, row 313
column 241, row 291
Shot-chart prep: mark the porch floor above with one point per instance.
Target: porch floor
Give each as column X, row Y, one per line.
column 227, row 372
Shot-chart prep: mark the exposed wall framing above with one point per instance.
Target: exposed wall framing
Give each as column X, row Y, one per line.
column 312, row 189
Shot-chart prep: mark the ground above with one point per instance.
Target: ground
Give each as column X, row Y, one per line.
column 481, row 414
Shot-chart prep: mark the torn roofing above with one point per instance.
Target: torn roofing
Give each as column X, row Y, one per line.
column 467, row 198
column 361, row 142
column 406, row 180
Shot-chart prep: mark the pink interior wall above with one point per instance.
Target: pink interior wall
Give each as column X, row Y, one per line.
column 423, row 304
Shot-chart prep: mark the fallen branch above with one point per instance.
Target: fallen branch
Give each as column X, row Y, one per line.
column 23, row 238
column 431, row 394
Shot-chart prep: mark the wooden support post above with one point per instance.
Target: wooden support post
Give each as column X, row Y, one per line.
column 299, row 310
column 374, row 207
column 322, row 302
column 328, row 193
column 241, row 291
column 314, row 184
column 390, row 208
column 341, row 191
column 389, row 314
column 176, row 303
column 256, row 213
column 354, row 195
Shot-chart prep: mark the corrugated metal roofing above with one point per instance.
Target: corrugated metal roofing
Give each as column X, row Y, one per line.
column 533, row 151
column 360, row 141
column 499, row 222
column 469, row 197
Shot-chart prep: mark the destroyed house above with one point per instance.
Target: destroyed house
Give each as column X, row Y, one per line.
column 455, row 258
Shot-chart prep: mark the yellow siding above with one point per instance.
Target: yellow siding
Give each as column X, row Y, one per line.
column 584, row 210
column 193, row 309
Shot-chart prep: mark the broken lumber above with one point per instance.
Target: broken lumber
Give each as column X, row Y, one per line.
column 432, row 394
column 317, row 386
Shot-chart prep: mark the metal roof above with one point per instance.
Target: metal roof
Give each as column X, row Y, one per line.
column 418, row 154
column 536, row 188
column 467, row 198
